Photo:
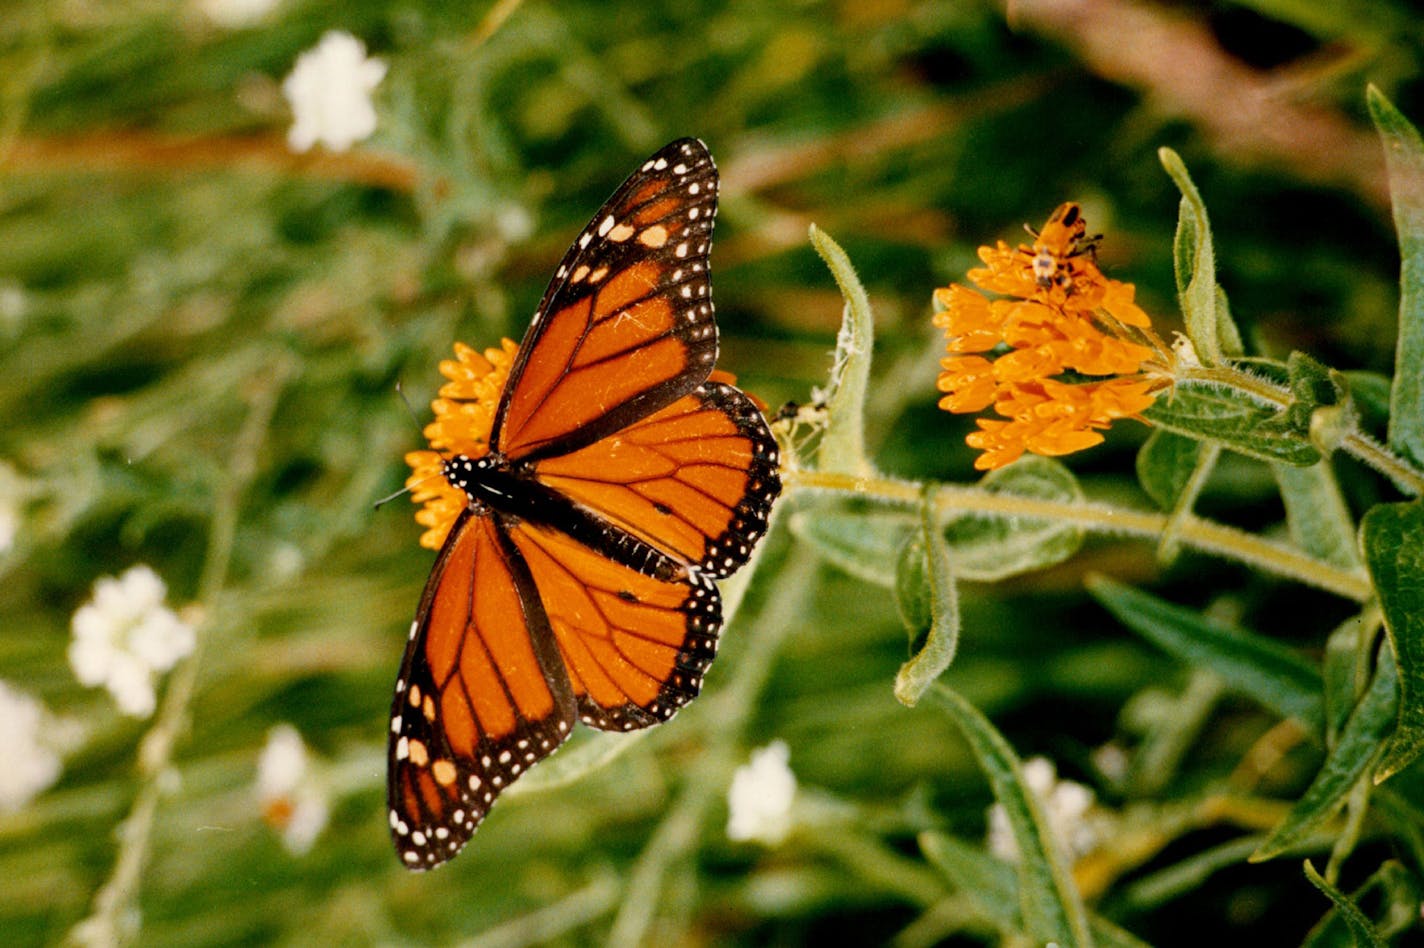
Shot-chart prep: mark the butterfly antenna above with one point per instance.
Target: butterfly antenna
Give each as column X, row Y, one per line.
column 410, row 409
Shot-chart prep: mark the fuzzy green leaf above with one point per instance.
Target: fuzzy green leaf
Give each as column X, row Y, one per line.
column 843, row 443
column 1257, row 667
column 1165, row 465
column 1404, row 158
column 1234, row 420
column 1208, row 324
column 1343, row 675
column 993, row 548
column 1360, row 927
column 929, row 589
column 1398, row 896
column 1391, row 537
column 1359, row 744
column 1320, row 523
column 1051, row 906
column 865, row 538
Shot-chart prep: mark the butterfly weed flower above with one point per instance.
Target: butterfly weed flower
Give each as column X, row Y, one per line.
column 1059, row 352
column 293, row 800
column 330, row 89
column 125, row 637
column 464, row 415
column 760, row 797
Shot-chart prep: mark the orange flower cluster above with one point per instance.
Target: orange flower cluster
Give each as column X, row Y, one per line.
column 464, row 415
column 1057, row 315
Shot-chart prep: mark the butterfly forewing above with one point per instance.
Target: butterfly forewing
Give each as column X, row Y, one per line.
column 481, row 696
column 626, row 324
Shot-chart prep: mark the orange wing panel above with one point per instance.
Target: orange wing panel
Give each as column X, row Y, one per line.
column 695, row 479
column 635, row 647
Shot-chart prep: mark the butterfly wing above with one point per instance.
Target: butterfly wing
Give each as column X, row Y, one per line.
column 482, row 693
column 634, row 647
column 695, row 479
column 625, row 327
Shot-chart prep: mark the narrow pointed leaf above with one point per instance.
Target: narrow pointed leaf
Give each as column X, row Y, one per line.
column 1360, row 927
column 1208, row 325
column 1404, row 158
column 1050, row 904
column 1359, row 744
column 942, row 638
column 1255, row 666
column 843, row 444
column 1392, row 536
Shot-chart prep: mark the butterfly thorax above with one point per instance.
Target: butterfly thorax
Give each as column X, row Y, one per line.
column 512, row 492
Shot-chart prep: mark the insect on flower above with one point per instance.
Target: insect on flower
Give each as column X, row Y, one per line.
column 1061, row 354
column 585, row 488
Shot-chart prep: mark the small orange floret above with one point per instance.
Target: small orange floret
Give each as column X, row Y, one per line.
column 1058, row 314
column 464, row 414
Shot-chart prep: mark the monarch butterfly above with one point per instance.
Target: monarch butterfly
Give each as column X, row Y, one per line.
column 622, row 478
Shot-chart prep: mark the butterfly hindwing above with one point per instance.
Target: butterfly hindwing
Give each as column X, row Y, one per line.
column 481, row 697
column 635, row 647
column 626, row 325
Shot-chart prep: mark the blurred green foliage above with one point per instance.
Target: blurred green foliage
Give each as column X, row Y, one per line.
column 201, row 335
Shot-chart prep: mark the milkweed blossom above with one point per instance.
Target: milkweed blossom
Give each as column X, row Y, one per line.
column 293, row 801
column 125, row 638
column 330, row 89
column 30, row 754
column 1060, row 352
column 1071, row 809
column 464, row 415
column 760, row 797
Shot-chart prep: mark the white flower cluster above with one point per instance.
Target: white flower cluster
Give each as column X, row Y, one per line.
column 125, row 637
column 1066, row 804
column 330, row 89
column 760, row 797
column 29, row 755
column 293, row 802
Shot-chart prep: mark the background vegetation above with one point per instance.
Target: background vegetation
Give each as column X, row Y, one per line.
column 200, row 336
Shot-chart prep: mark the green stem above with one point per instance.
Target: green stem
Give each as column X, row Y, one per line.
column 114, row 918
column 1099, row 517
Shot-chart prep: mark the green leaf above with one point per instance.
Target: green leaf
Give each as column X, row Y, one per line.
column 1404, row 158
column 1166, row 464
column 1320, row 523
column 1360, row 927
column 1051, row 907
column 992, row 885
column 1208, row 324
column 1257, row 667
column 930, row 590
column 865, row 537
column 1359, row 744
column 1399, row 895
column 1234, row 420
column 1343, row 673
column 1392, row 536
column 990, row 548
column 842, row 448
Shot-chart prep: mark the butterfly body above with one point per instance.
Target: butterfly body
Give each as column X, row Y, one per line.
column 576, row 583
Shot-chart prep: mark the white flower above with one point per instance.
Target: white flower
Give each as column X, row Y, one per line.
column 1066, row 804
column 330, row 92
column 29, row 755
column 293, row 802
column 235, row 14
column 124, row 637
column 759, row 799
